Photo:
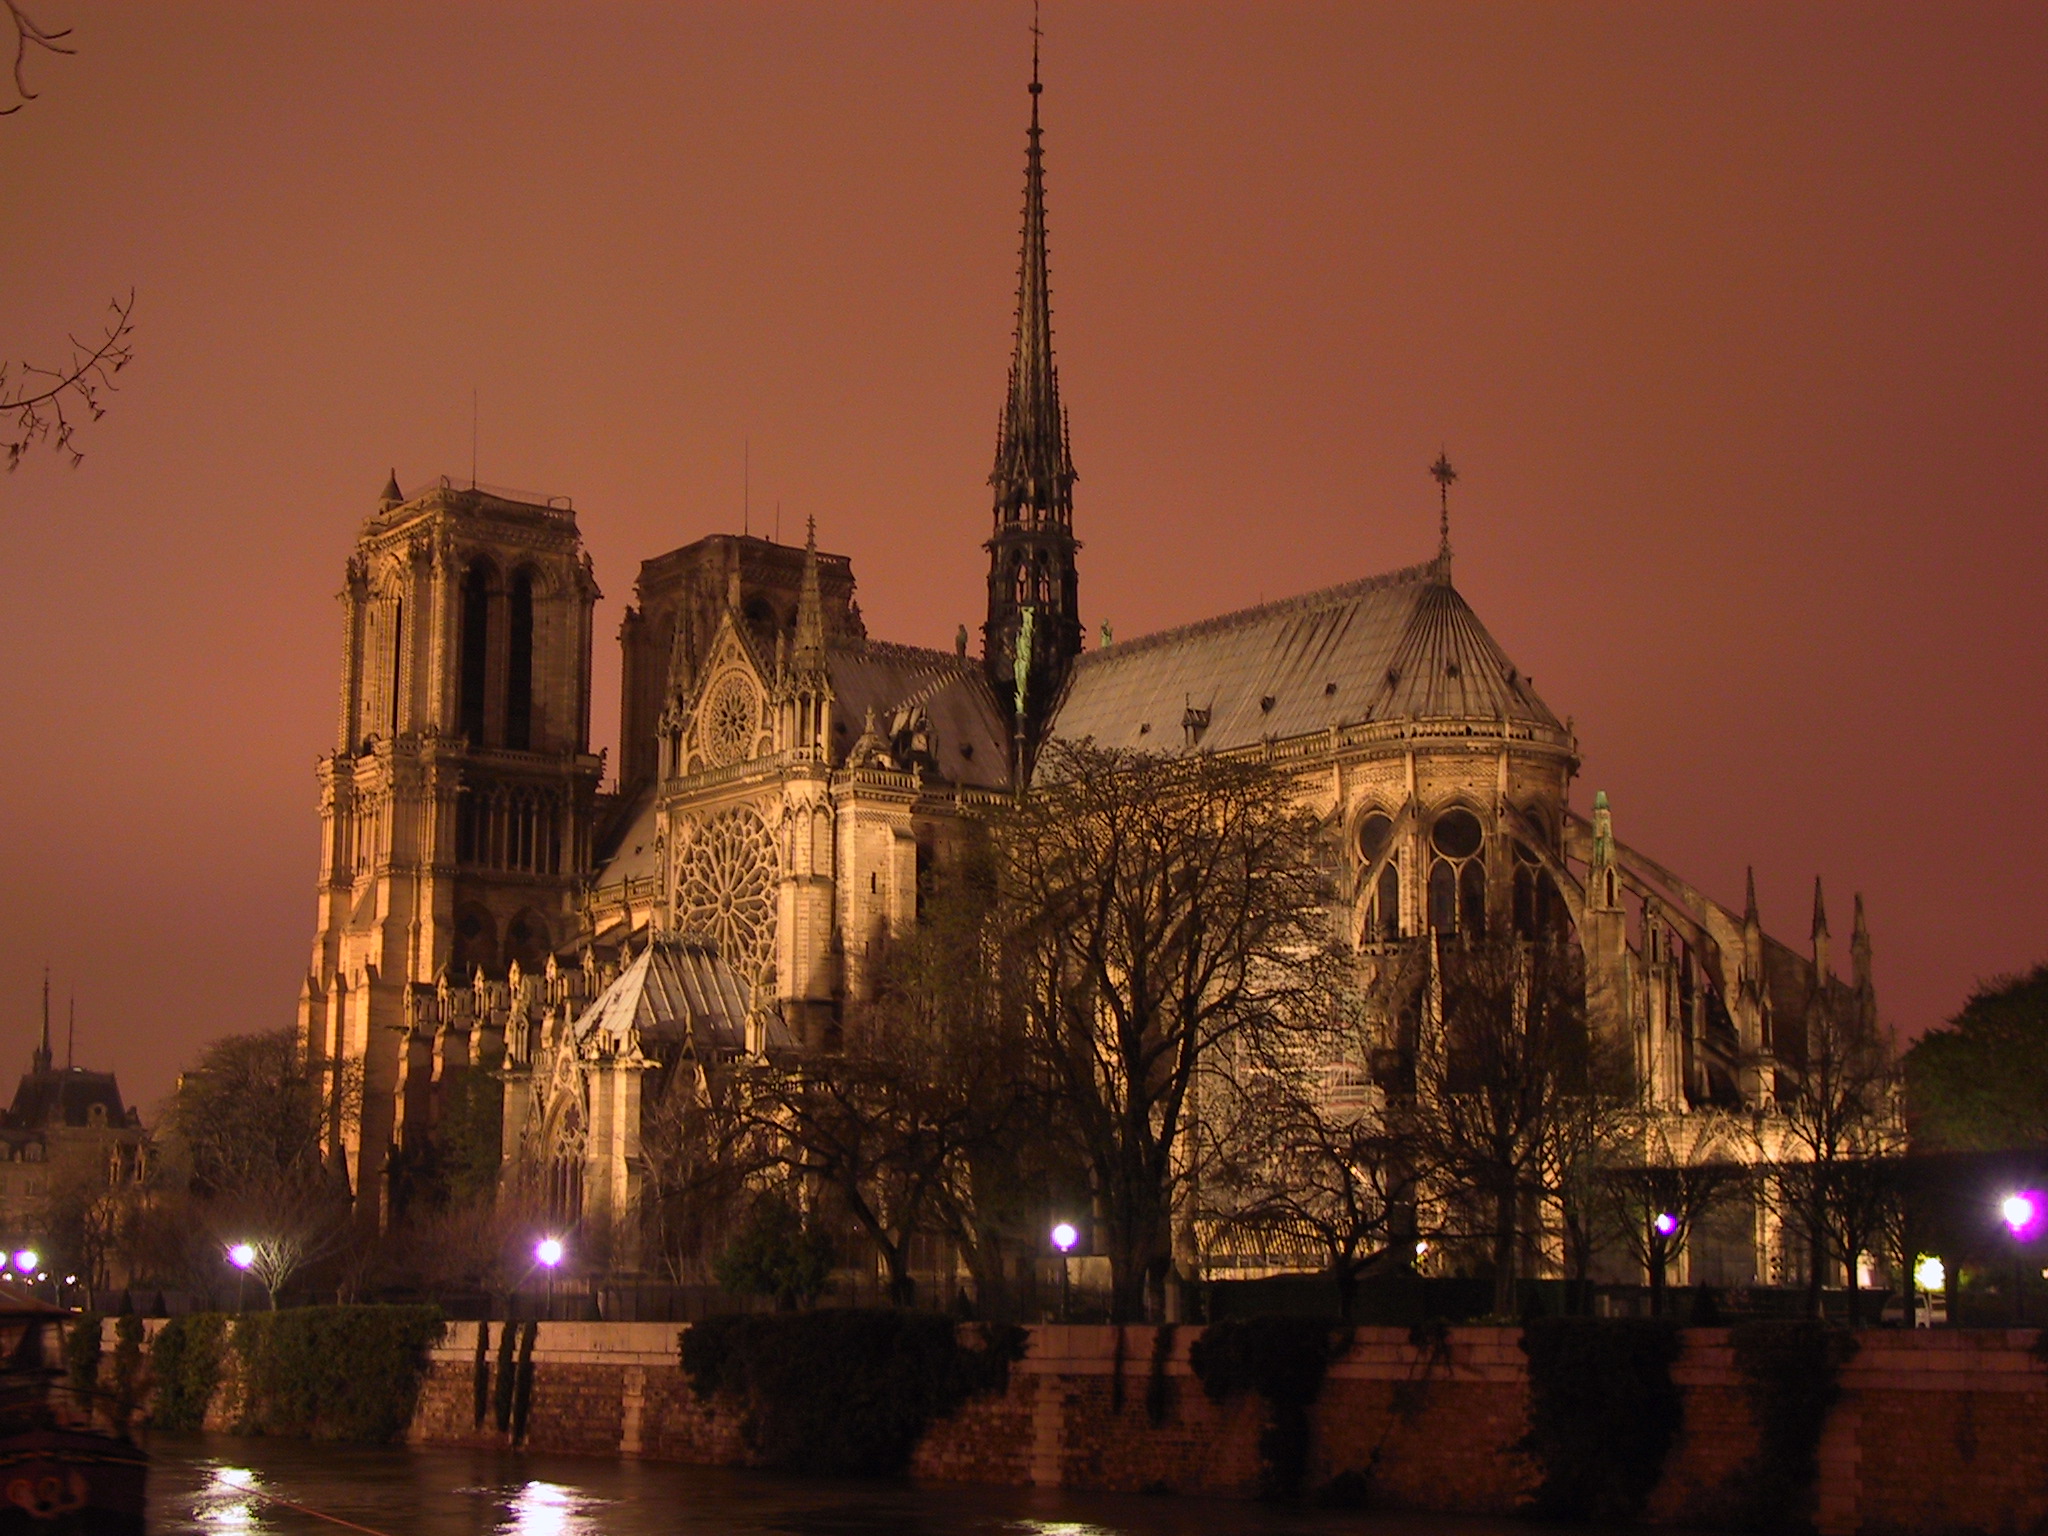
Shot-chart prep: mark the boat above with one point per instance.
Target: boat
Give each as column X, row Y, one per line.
column 66, row 1464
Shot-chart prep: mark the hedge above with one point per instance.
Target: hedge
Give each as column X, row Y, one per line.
column 1603, row 1413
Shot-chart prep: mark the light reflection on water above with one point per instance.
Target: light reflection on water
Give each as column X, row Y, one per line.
column 217, row 1485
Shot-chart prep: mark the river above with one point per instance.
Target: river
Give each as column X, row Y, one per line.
column 221, row 1485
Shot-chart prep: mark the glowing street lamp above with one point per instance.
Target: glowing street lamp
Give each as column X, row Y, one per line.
column 26, row 1261
column 1065, row 1235
column 2022, row 1211
column 242, row 1256
column 1930, row 1274
column 548, row 1252
column 1666, row 1223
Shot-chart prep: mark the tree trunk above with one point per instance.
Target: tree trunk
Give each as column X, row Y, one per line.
column 1504, row 1212
column 1658, row 1263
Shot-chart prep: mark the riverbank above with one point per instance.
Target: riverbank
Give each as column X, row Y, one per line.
column 1931, row 1432
column 1934, row 1431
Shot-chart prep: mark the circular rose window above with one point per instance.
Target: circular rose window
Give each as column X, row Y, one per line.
column 731, row 720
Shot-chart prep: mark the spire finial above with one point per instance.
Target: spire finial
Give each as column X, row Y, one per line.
column 43, row 1055
column 1036, row 33
column 808, row 654
column 1446, row 477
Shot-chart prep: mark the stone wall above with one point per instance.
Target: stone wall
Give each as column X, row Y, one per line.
column 1937, row 1431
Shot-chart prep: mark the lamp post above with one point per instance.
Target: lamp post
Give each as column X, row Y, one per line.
column 548, row 1254
column 2022, row 1211
column 1064, row 1237
column 1663, row 1226
column 242, row 1256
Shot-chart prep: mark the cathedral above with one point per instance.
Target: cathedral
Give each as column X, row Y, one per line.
column 786, row 785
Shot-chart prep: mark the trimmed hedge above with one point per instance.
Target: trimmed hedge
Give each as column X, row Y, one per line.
column 186, row 1361
column 334, row 1373
column 846, row 1392
column 1603, row 1413
column 1283, row 1359
column 82, row 1352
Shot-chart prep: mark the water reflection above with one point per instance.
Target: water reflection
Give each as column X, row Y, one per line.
column 217, row 1485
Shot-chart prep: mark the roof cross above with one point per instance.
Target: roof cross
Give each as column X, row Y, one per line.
column 1445, row 477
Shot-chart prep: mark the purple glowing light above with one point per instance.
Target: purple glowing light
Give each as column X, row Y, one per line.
column 2022, row 1212
column 1666, row 1223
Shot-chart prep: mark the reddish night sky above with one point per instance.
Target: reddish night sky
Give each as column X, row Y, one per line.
column 1733, row 318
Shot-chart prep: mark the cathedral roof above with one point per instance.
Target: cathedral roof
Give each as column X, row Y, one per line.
column 1403, row 646
column 968, row 734
column 674, row 991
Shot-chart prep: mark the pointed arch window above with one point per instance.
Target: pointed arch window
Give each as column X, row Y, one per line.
column 1383, row 902
column 519, row 667
column 1457, row 873
column 476, row 651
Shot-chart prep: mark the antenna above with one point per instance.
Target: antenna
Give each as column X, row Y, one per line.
column 778, row 519
column 70, row 1031
column 746, row 485
column 472, row 436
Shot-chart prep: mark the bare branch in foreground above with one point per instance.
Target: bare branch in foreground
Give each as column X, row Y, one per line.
column 48, row 414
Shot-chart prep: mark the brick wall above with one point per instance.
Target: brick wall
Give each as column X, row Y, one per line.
column 1937, row 1432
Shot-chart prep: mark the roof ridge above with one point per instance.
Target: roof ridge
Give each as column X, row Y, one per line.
column 1302, row 602
column 951, row 661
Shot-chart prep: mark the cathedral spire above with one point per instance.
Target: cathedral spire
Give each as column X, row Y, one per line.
column 808, row 654
column 1445, row 477
column 1032, row 547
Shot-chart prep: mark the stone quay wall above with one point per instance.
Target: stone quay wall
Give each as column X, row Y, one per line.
column 1937, row 1431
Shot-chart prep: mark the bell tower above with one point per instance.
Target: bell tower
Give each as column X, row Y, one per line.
column 456, row 806
column 1033, row 591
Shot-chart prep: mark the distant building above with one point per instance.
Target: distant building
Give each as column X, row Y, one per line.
column 66, row 1125
column 787, row 786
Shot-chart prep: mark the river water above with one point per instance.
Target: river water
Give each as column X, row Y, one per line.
column 221, row 1485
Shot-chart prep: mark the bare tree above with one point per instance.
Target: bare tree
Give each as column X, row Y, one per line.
column 1302, row 1156
column 29, row 35
column 698, row 1160
column 1511, row 1086
column 244, row 1139
column 43, row 405
column 1160, row 911
column 1664, row 1174
column 1832, row 1148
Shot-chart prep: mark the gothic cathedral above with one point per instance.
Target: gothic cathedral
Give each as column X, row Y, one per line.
column 787, row 785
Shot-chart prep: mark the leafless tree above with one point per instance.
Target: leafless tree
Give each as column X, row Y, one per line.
column 1512, row 1088
column 698, row 1159
column 1832, row 1147
column 1302, row 1154
column 1661, row 1178
column 39, row 404
column 27, row 34
column 1160, row 912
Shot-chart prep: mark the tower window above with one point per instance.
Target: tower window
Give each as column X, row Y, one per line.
column 1385, row 921
column 519, row 667
column 476, row 651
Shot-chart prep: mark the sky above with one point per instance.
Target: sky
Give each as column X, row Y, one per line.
column 1732, row 317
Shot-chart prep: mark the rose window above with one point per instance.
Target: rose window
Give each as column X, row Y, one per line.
column 731, row 721
column 725, row 891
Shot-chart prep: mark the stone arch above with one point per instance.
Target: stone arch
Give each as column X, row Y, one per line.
column 476, row 943
column 528, row 941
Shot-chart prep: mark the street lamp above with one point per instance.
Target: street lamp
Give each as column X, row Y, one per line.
column 2022, row 1210
column 547, row 1253
column 243, row 1257
column 1064, row 1237
column 26, row 1261
column 1666, row 1223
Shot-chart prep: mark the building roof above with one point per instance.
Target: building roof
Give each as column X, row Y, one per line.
column 60, row 1096
column 1403, row 646
column 675, row 991
column 969, row 740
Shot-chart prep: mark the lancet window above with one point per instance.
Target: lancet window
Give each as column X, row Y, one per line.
column 1457, row 873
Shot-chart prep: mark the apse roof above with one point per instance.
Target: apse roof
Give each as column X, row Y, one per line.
column 1403, row 646
column 676, row 991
